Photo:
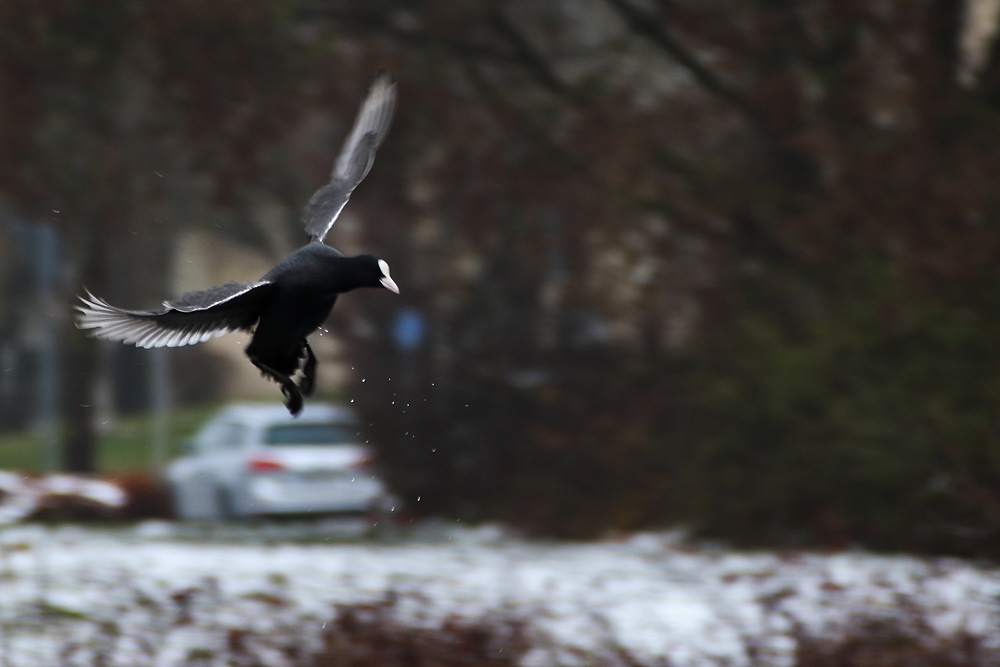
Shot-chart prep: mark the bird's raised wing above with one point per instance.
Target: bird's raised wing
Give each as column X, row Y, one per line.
column 192, row 318
column 355, row 159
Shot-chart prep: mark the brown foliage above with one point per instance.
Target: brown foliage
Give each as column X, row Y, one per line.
column 147, row 496
column 789, row 208
column 873, row 643
column 373, row 634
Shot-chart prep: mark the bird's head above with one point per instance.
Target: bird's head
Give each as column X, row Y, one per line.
column 385, row 280
column 377, row 273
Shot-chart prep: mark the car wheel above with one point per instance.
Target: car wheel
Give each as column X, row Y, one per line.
column 177, row 506
column 225, row 509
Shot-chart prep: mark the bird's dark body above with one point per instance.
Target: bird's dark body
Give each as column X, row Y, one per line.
column 290, row 301
column 302, row 290
column 306, row 285
column 282, row 347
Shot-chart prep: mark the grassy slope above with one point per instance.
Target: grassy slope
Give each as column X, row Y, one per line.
column 126, row 445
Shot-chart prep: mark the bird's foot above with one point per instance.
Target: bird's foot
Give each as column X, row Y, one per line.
column 308, row 382
column 293, row 398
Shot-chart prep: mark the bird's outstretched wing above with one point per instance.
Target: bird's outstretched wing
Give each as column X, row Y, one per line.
column 355, row 159
column 191, row 318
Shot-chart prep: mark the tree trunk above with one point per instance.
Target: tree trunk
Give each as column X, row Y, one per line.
column 82, row 365
column 79, row 437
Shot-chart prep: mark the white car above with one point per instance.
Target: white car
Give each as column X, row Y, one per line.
column 256, row 459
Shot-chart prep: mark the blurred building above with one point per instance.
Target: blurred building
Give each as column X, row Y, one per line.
column 32, row 257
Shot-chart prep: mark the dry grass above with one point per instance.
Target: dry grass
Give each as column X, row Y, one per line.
column 880, row 643
column 371, row 635
column 382, row 633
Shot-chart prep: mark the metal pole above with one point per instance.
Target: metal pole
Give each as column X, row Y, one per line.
column 46, row 278
column 160, row 396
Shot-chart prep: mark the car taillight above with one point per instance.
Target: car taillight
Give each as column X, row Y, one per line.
column 259, row 464
column 366, row 462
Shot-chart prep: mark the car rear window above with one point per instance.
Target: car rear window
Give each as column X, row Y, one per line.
column 310, row 434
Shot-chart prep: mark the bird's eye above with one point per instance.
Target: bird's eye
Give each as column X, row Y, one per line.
column 384, row 265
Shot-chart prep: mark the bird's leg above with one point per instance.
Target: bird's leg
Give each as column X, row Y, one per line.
column 308, row 382
column 293, row 398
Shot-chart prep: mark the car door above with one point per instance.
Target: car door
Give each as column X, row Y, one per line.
column 227, row 463
column 203, row 483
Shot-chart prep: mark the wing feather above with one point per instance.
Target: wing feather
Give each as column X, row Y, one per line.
column 355, row 159
column 192, row 318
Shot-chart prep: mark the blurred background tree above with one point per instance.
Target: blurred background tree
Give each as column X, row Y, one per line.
column 124, row 125
column 728, row 264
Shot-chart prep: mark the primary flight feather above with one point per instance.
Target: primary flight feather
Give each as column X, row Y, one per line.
column 355, row 159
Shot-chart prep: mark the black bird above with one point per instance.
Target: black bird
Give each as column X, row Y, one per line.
column 291, row 300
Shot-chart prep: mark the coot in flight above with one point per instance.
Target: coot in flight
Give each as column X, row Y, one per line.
column 291, row 300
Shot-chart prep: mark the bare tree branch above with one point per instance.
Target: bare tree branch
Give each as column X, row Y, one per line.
column 939, row 80
column 543, row 136
column 374, row 21
column 527, row 54
column 649, row 26
column 988, row 87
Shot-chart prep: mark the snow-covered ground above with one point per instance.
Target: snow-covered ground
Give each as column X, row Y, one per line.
column 159, row 593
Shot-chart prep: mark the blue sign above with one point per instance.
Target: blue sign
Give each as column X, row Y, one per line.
column 409, row 329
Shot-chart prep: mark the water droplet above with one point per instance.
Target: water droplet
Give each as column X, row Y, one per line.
column 362, row 379
column 352, row 400
column 418, row 499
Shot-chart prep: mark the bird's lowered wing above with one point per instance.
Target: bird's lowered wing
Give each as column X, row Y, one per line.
column 192, row 318
column 355, row 159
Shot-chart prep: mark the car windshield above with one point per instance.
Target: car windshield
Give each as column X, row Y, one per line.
column 310, row 434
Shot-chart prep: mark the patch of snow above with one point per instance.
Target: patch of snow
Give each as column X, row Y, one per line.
column 652, row 594
column 95, row 490
column 21, row 496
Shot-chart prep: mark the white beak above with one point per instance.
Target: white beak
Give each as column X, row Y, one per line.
column 389, row 284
